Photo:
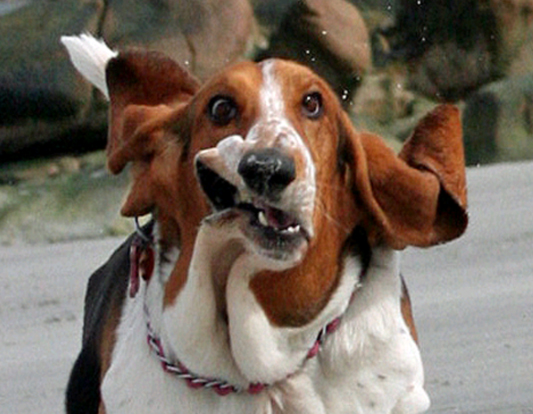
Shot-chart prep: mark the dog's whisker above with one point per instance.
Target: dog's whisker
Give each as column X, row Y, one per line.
column 325, row 213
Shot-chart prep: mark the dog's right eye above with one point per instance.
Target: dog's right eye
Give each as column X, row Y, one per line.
column 222, row 110
column 312, row 105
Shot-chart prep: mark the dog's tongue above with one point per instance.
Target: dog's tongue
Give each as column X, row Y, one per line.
column 278, row 219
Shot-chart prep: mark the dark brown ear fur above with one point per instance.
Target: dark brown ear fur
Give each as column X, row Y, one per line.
column 147, row 92
column 141, row 84
column 418, row 197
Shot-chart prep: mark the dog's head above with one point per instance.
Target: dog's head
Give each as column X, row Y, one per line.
column 268, row 144
column 265, row 151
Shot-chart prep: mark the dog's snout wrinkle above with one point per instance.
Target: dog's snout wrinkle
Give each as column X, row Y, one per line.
column 267, row 171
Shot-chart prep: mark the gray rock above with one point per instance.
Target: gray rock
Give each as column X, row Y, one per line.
column 498, row 122
column 454, row 47
column 203, row 35
column 41, row 98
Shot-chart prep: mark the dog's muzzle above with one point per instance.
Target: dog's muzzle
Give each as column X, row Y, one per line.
column 253, row 183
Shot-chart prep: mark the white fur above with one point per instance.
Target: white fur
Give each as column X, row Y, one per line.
column 90, row 57
column 273, row 128
column 205, row 348
column 273, row 112
column 369, row 365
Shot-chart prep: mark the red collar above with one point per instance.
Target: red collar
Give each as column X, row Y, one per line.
column 142, row 258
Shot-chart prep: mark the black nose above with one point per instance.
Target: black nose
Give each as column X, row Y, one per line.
column 267, row 171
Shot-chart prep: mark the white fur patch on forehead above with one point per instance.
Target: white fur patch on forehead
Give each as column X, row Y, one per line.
column 275, row 128
column 273, row 115
column 272, row 105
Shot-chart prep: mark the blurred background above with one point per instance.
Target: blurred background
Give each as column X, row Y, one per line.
column 390, row 61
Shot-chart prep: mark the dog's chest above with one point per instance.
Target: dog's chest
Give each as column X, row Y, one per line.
column 370, row 365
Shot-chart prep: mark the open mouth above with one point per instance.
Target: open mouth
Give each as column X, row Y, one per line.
column 270, row 227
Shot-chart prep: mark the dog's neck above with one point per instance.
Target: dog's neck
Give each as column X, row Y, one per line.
column 215, row 322
column 371, row 347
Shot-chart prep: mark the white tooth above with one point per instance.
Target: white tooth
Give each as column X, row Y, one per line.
column 292, row 229
column 262, row 218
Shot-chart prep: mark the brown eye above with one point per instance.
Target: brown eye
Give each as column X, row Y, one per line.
column 312, row 105
column 222, row 110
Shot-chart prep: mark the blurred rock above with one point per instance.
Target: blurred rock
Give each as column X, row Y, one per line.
column 203, row 35
column 383, row 98
column 330, row 36
column 270, row 13
column 377, row 13
column 384, row 106
column 498, row 122
column 522, row 64
column 41, row 98
column 385, row 6
column 514, row 20
column 454, row 47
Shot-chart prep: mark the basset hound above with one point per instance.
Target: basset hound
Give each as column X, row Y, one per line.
column 268, row 279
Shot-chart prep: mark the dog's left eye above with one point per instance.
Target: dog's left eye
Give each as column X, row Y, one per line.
column 222, row 110
column 312, row 105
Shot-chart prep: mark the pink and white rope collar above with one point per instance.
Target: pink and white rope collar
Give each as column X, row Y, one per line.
column 220, row 386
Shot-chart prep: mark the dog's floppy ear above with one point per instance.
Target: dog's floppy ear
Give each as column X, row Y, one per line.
column 143, row 87
column 419, row 196
column 147, row 92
